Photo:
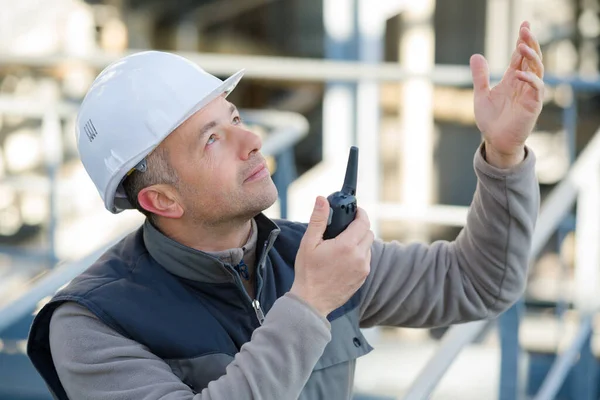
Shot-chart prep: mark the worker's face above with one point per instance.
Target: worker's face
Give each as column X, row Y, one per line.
column 222, row 174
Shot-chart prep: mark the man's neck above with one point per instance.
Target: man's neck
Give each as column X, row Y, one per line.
column 207, row 238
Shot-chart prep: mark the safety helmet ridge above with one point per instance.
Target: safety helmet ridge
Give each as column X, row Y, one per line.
column 131, row 107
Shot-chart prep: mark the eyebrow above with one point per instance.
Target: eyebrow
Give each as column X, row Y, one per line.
column 206, row 128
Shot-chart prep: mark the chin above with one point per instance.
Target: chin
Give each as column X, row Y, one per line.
column 268, row 197
column 264, row 199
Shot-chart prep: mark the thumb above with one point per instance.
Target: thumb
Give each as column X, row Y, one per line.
column 318, row 222
column 481, row 75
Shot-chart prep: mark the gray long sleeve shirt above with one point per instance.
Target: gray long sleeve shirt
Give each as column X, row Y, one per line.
column 477, row 276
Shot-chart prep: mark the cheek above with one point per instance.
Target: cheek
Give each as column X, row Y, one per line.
column 217, row 181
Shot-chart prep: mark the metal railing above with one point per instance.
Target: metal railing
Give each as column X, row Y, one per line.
column 580, row 181
column 565, row 362
column 297, row 69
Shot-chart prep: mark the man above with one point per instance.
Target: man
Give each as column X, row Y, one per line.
column 212, row 300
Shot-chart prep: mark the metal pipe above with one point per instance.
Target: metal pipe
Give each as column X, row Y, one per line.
column 45, row 287
column 211, row 14
column 298, row 69
column 433, row 214
column 33, row 108
column 287, row 128
column 587, row 251
column 563, row 363
column 451, row 345
column 417, row 132
column 53, row 147
column 562, row 198
column 371, row 39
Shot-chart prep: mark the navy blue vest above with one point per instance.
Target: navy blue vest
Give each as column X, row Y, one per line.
column 174, row 317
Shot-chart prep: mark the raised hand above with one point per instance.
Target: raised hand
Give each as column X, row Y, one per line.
column 507, row 113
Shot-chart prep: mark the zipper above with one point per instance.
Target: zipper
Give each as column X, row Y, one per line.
column 259, row 270
column 260, row 315
column 255, row 304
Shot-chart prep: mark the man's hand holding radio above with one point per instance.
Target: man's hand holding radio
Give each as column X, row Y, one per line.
column 329, row 272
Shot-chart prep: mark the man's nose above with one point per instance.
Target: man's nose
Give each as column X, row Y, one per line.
column 248, row 142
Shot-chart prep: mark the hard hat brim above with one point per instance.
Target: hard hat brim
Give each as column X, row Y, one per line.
column 225, row 88
column 119, row 202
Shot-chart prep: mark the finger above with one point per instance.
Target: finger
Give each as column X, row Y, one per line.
column 357, row 229
column 318, row 222
column 532, row 79
column 516, row 58
column 481, row 75
column 366, row 242
column 533, row 59
column 528, row 37
column 520, row 37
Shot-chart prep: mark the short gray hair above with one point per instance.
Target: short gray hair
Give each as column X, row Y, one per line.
column 158, row 171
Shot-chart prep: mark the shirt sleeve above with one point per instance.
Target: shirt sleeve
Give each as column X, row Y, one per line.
column 95, row 362
column 477, row 276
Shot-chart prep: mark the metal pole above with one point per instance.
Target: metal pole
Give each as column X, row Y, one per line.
column 510, row 352
column 452, row 343
column 585, row 384
column 563, row 364
column 587, row 250
column 371, row 31
column 339, row 100
column 417, row 55
column 569, row 117
column 52, row 138
column 284, row 175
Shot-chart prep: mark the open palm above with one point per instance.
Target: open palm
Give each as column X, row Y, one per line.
column 507, row 113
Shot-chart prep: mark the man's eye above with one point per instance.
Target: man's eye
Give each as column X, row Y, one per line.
column 211, row 139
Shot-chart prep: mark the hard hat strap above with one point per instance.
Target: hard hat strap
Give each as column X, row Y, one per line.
column 142, row 166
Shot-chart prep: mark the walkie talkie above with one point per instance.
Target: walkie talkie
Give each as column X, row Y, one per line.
column 343, row 204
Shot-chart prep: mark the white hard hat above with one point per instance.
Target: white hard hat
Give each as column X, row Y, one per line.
column 131, row 107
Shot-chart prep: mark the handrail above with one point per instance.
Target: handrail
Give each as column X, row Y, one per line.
column 287, row 128
column 46, row 285
column 553, row 210
column 563, row 364
column 296, row 69
column 30, row 108
column 451, row 345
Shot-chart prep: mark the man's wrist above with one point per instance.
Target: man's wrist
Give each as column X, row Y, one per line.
column 302, row 297
column 302, row 309
column 500, row 160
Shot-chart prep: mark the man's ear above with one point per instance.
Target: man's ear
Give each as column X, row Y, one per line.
column 161, row 200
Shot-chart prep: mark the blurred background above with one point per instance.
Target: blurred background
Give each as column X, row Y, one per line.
column 390, row 76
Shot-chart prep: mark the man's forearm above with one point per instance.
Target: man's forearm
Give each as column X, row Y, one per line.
column 477, row 276
column 90, row 358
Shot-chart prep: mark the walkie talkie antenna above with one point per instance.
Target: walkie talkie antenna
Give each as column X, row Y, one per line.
column 351, row 172
column 342, row 205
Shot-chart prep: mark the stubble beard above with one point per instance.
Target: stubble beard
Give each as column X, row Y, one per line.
column 242, row 206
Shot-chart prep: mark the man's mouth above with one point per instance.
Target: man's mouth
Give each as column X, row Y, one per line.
column 258, row 172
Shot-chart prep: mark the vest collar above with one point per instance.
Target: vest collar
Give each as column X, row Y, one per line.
column 188, row 263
